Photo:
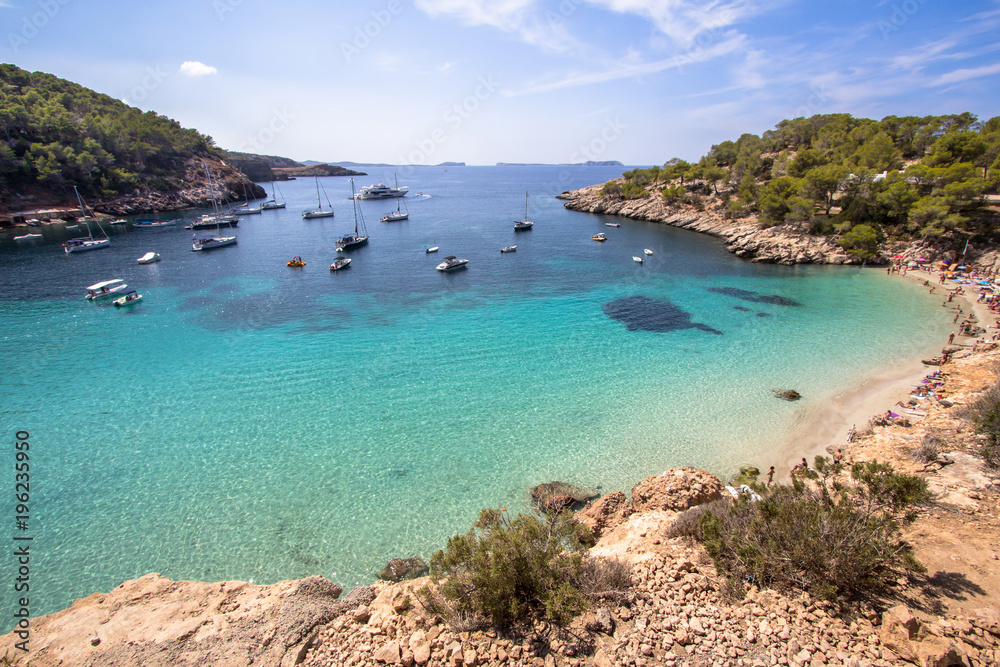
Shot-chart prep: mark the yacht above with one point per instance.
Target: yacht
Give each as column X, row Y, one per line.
column 217, row 241
column 510, row 248
column 451, row 263
column 523, row 225
column 360, row 236
column 89, row 243
column 319, row 211
column 381, row 191
column 340, row 262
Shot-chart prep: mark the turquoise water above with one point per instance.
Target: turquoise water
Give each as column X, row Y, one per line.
column 251, row 421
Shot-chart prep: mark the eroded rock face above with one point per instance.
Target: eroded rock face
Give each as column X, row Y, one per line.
column 605, row 513
column 155, row 621
column 677, row 489
column 545, row 494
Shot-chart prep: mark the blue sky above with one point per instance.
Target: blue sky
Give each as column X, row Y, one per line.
column 482, row 81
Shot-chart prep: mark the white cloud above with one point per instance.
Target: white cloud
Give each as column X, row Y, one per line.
column 683, row 20
column 520, row 18
column 628, row 70
column 195, row 68
column 966, row 74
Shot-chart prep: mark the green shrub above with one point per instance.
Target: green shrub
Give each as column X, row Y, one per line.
column 837, row 540
column 984, row 413
column 514, row 570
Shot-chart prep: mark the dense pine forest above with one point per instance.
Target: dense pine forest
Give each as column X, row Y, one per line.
column 864, row 180
column 55, row 134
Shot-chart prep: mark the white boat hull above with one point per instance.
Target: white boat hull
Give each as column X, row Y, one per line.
column 149, row 258
column 84, row 246
column 309, row 215
column 213, row 243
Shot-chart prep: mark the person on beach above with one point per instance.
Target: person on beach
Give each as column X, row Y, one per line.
column 838, row 455
column 951, row 338
column 770, row 475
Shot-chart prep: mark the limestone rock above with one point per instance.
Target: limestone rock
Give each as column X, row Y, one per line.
column 900, row 629
column 787, row 394
column 399, row 569
column 605, row 513
column 543, row 494
column 389, row 654
column 677, row 489
column 603, row 622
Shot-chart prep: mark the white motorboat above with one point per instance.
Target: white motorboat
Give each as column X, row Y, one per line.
column 612, row 224
column 27, row 237
column 433, row 248
column 636, row 258
column 105, row 288
column 149, row 258
column 319, row 211
column 510, row 248
column 119, row 221
column 648, row 251
column 130, row 298
column 340, row 263
column 381, row 191
column 89, row 243
column 524, row 225
column 451, row 263
column 247, row 210
column 217, row 241
column 360, row 236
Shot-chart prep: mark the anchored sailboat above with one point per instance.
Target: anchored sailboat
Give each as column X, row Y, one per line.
column 89, row 243
column 319, row 211
column 360, row 237
column 217, row 241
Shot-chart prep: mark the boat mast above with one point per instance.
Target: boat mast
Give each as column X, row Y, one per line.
column 318, row 202
column 355, row 200
column 83, row 213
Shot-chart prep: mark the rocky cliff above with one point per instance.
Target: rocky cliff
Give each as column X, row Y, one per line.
column 286, row 173
column 782, row 244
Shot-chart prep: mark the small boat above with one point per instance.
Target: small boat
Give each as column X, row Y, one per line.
column 217, row 241
column 130, row 299
column 524, row 225
column 119, row 221
column 71, row 228
column 89, row 243
column 319, row 211
column 598, row 237
column 27, row 237
column 648, row 251
column 397, row 216
column 433, row 248
column 340, row 262
column 360, row 236
column 636, row 258
column 451, row 263
column 510, row 248
column 295, row 262
column 210, row 220
column 612, row 224
column 105, row 288
column 151, row 223
column 35, row 222
column 273, row 202
column 247, row 210
column 149, row 258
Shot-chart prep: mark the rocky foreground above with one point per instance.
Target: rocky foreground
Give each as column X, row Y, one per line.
column 782, row 244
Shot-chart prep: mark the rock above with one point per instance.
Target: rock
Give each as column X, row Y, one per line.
column 900, row 629
column 603, row 622
column 400, row 569
column 787, row 394
column 401, row 604
column 543, row 494
column 361, row 614
column 676, row 489
column 605, row 513
column 389, row 654
column 940, row 652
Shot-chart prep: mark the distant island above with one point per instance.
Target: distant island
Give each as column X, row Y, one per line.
column 384, row 165
column 589, row 163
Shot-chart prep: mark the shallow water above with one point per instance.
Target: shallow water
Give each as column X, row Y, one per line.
column 252, row 421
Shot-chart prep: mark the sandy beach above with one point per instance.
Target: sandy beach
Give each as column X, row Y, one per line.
column 821, row 429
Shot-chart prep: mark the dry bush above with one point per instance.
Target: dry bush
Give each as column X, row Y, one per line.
column 984, row 413
column 605, row 579
column 687, row 524
column 928, row 450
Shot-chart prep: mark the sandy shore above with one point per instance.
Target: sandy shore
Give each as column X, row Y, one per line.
column 823, row 428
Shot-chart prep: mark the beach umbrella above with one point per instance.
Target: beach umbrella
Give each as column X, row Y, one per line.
column 922, row 259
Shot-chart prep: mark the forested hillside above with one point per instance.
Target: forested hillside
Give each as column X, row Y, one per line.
column 863, row 180
column 55, row 134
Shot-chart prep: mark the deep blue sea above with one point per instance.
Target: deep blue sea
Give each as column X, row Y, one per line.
column 247, row 420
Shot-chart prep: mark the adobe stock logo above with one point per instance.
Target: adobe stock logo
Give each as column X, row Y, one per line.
column 32, row 25
column 372, row 29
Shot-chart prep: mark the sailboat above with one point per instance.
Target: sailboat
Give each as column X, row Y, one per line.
column 319, row 212
column 246, row 209
column 359, row 238
column 89, row 243
column 397, row 216
column 522, row 225
column 272, row 203
column 217, row 241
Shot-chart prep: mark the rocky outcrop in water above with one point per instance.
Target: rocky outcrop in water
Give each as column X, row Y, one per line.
column 782, row 244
